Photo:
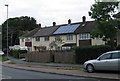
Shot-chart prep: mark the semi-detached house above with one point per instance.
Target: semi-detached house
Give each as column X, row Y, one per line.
column 65, row 36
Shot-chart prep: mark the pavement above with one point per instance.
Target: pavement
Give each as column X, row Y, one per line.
column 56, row 68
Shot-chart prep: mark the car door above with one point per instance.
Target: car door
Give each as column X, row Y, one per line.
column 115, row 61
column 103, row 63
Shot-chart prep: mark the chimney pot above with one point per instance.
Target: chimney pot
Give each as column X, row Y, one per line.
column 84, row 19
column 39, row 26
column 69, row 21
column 54, row 23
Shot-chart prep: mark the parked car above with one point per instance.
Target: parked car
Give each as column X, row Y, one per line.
column 1, row 53
column 109, row 61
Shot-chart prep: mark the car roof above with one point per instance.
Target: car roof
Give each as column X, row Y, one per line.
column 113, row 51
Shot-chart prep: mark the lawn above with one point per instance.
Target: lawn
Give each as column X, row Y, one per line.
column 3, row 59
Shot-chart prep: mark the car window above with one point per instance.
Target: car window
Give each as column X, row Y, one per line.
column 116, row 55
column 105, row 56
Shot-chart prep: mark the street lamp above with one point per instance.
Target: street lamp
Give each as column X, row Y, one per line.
column 7, row 28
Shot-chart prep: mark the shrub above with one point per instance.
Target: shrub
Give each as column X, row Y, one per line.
column 15, row 53
column 90, row 52
column 118, row 47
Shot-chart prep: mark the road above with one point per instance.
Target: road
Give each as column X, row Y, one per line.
column 11, row 73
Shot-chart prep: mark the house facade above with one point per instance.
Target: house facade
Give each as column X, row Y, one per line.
column 64, row 36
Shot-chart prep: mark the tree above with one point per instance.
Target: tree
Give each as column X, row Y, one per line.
column 17, row 27
column 102, row 12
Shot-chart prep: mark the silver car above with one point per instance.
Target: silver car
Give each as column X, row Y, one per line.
column 1, row 53
column 107, row 61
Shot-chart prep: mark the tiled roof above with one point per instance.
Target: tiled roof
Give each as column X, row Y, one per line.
column 47, row 31
column 87, row 27
column 31, row 33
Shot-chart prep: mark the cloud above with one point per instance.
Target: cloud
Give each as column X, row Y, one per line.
column 47, row 11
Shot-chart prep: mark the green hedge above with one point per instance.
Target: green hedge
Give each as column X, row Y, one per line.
column 118, row 47
column 15, row 53
column 90, row 52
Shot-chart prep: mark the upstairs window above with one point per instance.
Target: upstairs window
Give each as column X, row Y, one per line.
column 69, row 37
column 37, row 38
column 84, row 36
column 28, row 39
column 57, row 38
column 46, row 38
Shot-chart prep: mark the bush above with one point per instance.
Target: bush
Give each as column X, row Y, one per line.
column 90, row 52
column 118, row 47
column 15, row 53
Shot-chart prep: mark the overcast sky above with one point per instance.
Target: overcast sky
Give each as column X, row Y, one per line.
column 47, row 11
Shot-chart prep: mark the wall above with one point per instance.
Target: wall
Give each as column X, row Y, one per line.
column 51, row 39
column 98, row 42
column 59, row 57
column 118, row 38
column 22, row 43
column 38, row 57
column 42, row 42
column 64, row 57
column 93, row 41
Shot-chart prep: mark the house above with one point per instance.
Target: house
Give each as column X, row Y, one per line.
column 117, row 16
column 0, row 37
column 27, row 39
column 63, row 36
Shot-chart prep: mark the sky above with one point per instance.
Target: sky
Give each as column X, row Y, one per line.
column 47, row 11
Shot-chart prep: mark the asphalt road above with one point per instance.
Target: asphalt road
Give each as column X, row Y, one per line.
column 11, row 74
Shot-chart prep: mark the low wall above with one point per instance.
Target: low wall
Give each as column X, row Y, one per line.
column 38, row 57
column 64, row 57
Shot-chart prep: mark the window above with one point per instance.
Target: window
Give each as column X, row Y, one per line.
column 115, row 55
column 69, row 37
column 37, row 38
column 57, row 38
column 105, row 56
column 46, row 38
column 22, row 39
column 84, row 36
column 28, row 39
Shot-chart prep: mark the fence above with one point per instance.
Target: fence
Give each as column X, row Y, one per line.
column 57, row 57
column 38, row 57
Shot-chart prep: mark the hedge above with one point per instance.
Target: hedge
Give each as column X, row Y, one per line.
column 15, row 53
column 90, row 52
column 118, row 47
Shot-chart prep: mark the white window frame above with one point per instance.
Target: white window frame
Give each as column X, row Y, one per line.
column 28, row 39
column 69, row 37
column 57, row 38
column 37, row 39
column 46, row 38
column 84, row 36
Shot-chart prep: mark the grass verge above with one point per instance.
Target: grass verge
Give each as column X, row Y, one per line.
column 3, row 59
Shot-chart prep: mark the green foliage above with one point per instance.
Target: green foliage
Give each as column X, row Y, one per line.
column 15, row 53
column 90, row 52
column 16, row 27
column 118, row 47
column 102, row 12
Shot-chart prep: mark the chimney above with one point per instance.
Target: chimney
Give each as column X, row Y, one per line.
column 54, row 23
column 39, row 26
column 84, row 19
column 69, row 21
